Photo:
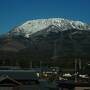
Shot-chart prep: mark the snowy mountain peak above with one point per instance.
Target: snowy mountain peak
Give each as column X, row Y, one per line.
column 33, row 26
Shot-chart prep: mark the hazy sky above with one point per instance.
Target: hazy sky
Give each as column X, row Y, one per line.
column 15, row 12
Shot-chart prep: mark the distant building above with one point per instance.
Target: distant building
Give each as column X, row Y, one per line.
column 18, row 79
column 7, row 83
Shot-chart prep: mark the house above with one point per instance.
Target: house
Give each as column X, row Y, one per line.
column 18, row 80
column 22, row 76
column 7, row 83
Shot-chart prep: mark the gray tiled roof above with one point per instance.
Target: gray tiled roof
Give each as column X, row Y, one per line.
column 19, row 74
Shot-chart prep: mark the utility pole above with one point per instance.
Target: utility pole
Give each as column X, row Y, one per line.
column 76, row 73
column 55, row 50
column 80, row 64
column 17, row 63
column 40, row 64
column 31, row 64
column 3, row 62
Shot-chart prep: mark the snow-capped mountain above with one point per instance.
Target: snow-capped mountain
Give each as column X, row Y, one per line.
column 33, row 26
column 48, row 40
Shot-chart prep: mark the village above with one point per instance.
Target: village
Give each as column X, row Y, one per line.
column 43, row 78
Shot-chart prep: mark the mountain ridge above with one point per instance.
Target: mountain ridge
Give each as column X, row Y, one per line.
column 33, row 26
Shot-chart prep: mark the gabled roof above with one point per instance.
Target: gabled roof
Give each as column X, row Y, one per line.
column 8, row 81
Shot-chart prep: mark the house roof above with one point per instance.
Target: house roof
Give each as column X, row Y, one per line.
column 8, row 81
column 19, row 74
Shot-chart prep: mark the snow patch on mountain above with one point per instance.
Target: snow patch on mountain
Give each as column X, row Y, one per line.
column 33, row 26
